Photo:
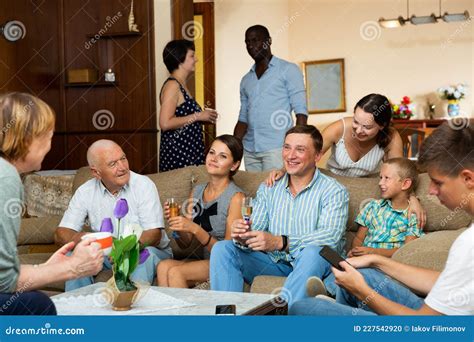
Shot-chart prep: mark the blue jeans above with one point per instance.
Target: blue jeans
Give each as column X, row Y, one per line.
column 263, row 161
column 26, row 303
column 348, row 305
column 230, row 266
column 145, row 272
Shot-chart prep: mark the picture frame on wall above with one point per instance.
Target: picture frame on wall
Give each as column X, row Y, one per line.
column 325, row 87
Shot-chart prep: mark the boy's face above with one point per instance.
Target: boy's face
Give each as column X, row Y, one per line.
column 390, row 182
column 452, row 192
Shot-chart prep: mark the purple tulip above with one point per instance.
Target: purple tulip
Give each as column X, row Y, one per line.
column 107, row 226
column 121, row 208
column 144, row 254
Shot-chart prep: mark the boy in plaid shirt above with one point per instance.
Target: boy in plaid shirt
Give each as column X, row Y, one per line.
column 384, row 225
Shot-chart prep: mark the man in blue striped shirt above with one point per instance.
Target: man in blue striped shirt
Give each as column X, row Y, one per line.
column 290, row 221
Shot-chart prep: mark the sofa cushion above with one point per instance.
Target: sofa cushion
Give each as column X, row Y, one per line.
column 38, row 230
column 82, row 176
column 429, row 251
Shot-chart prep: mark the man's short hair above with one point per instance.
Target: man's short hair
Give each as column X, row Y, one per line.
column 260, row 29
column 312, row 131
column 406, row 170
column 450, row 148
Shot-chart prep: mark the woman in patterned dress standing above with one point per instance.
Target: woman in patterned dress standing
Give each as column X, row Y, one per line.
column 181, row 116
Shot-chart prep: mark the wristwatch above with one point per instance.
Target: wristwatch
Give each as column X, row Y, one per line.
column 285, row 243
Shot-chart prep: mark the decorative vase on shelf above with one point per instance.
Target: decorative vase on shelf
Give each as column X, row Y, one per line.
column 453, row 108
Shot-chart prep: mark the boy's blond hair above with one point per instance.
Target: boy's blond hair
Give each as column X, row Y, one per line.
column 23, row 117
column 406, row 169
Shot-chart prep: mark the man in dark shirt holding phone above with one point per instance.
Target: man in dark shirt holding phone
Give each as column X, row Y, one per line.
column 448, row 157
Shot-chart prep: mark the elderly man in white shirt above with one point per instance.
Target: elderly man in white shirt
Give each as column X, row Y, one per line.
column 96, row 199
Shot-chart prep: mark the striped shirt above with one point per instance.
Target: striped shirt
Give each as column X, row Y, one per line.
column 341, row 163
column 317, row 215
column 387, row 227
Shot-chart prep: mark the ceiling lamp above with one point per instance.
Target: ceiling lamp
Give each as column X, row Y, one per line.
column 427, row 19
column 449, row 18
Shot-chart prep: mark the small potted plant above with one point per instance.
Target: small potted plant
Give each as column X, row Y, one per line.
column 125, row 257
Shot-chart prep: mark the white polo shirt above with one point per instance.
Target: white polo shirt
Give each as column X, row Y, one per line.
column 92, row 201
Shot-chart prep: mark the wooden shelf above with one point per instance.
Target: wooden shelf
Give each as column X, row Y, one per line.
column 91, row 84
column 115, row 34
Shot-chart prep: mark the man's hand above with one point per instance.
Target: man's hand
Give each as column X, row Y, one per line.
column 350, row 279
column 238, row 229
column 358, row 251
column 263, row 241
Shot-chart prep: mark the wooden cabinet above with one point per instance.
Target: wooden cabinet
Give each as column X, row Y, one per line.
column 413, row 132
column 75, row 34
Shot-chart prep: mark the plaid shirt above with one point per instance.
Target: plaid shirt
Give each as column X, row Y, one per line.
column 387, row 227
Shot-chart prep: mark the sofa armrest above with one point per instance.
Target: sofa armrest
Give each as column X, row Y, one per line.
column 38, row 230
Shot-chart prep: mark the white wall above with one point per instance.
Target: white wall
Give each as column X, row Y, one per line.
column 163, row 34
column 232, row 18
column 412, row 60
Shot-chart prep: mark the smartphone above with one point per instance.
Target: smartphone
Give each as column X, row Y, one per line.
column 225, row 309
column 332, row 257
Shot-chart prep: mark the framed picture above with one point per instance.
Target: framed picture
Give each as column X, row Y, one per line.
column 324, row 82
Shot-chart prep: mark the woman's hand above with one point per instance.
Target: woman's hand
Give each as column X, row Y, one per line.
column 208, row 115
column 60, row 254
column 182, row 224
column 415, row 208
column 273, row 177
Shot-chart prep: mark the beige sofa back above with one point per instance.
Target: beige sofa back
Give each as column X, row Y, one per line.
column 179, row 183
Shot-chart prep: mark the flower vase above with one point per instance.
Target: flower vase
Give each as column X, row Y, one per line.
column 453, row 108
column 121, row 301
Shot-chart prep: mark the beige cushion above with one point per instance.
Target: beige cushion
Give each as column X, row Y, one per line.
column 429, row 251
column 38, row 230
column 267, row 284
column 82, row 176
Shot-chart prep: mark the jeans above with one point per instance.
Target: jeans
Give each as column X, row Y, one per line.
column 263, row 161
column 230, row 266
column 347, row 304
column 145, row 272
column 26, row 303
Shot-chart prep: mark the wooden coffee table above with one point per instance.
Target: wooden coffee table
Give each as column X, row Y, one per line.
column 204, row 302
